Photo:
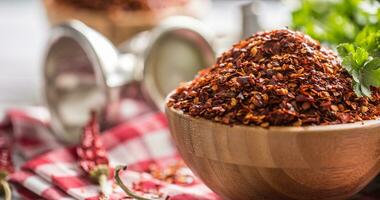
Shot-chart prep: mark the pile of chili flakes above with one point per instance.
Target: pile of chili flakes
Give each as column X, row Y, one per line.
column 128, row 5
column 277, row 78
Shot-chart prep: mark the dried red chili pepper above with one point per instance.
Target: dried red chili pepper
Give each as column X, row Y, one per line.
column 6, row 165
column 124, row 187
column 93, row 158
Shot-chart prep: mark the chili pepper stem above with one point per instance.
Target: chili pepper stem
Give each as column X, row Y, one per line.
column 124, row 187
column 105, row 188
column 7, row 190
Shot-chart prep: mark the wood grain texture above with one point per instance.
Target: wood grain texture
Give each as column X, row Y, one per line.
column 241, row 162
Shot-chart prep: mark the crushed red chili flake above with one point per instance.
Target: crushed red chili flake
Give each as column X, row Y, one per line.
column 172, row 174
column 128, row 5
column 148, row 187
column 276, row 78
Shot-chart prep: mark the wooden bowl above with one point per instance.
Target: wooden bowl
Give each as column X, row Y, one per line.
column 245, row 162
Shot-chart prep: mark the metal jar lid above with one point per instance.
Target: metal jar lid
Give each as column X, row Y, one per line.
column 83, row 71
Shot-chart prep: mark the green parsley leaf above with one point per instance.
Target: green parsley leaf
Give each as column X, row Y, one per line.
column 345, row 49
column 372, row 78
column 369, row 39
column 371, row 73
column 360, row 56
column 373, row 64
column 362, row 61
column 334, row 21
column 353, row 25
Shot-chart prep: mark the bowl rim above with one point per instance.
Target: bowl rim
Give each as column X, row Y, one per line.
column 281, row 129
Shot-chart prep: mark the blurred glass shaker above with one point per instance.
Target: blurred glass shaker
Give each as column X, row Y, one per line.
column 261, row 15
column 250, row 21
column 83, row 71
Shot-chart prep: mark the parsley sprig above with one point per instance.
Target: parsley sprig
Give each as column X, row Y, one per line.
column 362, row 60
column 334, row 21
column 353, row 25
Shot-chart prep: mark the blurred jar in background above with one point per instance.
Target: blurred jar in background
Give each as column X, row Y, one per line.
column 118, row 20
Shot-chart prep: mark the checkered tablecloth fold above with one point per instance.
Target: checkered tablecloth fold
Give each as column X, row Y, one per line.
column 140, row 143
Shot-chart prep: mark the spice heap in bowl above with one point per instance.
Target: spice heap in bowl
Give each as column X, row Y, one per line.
column 278, row 78
column 276, row 117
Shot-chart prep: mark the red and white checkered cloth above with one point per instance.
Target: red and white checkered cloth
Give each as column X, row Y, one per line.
column 140, row 143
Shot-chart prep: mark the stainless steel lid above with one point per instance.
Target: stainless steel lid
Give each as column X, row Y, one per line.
column 83, row 71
